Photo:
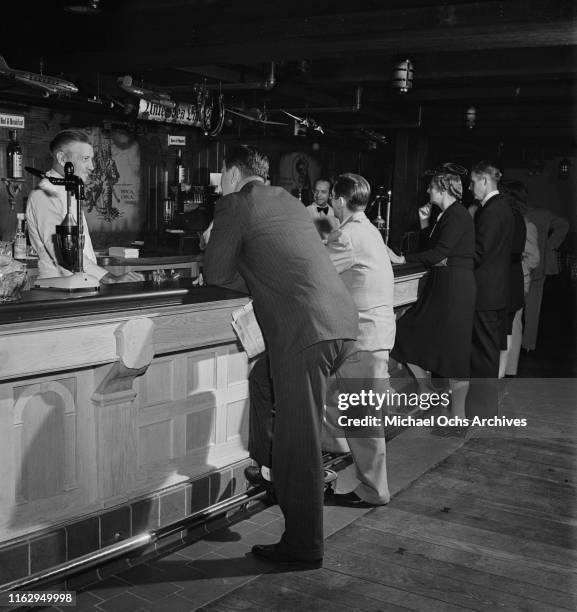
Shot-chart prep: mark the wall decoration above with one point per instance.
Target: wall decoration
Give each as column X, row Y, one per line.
column 113, row 190
column 298, row 172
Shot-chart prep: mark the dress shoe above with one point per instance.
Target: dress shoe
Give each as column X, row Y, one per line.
column 272, row 554
column 253, row 474
column 350, row 500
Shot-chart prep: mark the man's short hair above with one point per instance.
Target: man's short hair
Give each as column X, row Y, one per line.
column 248, row 160
column 323, row 180
column 488, row 168
column 66, row 137
column 355, row 189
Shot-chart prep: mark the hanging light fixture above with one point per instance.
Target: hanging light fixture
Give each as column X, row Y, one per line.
column 471, row 117
column 403, row 76
column 564, row 167
column 82, row 7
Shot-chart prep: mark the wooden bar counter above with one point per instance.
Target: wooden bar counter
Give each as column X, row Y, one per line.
column 119, row 396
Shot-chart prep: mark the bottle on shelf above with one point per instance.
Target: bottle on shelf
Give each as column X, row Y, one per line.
column 180, row 172
column 14, row 159
column 20, row 237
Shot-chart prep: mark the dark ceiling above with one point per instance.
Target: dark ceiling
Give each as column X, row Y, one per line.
column 515, row 61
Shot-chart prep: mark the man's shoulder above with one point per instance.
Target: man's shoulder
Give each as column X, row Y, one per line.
column 36, row 196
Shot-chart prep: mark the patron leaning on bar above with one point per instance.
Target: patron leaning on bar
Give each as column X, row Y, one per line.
column 434, row 335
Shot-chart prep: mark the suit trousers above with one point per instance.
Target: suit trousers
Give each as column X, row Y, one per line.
column 486, row 343
column 370, row 371
column 509, row 360
column 287, row 395
column 488, row 328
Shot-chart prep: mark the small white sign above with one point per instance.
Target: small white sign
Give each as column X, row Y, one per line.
column 178, row 141
column 11, row 121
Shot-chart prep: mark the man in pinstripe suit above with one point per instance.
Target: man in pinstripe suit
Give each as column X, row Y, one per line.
column 265, row 243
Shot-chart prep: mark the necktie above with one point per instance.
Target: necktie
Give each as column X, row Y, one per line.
column 323, row 209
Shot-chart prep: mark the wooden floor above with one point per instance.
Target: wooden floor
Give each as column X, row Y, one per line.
column 488, row 524
column 490, row 528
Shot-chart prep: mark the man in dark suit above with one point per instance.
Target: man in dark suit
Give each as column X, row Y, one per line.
column 493, row 241
column 264, row 239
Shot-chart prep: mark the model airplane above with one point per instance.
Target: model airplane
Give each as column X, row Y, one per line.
column 50, row 85
column 156, row 97
column 253, row 115
column 308, row 122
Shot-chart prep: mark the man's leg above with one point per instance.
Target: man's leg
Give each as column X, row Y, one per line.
column 369, row 371
column 261, row 412
column 515, row 349
column 300, row 384
column 532, row 313
column 486, row 344
column 482, row 399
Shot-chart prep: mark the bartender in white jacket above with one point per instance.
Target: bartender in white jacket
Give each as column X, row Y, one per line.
column 47, row 208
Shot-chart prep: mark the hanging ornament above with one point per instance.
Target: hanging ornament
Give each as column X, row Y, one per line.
column 403, row 76
column 471, row 117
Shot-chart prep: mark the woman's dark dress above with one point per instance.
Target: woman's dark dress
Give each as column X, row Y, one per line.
column 435, row 333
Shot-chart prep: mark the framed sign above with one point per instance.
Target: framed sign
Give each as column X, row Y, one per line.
column 181, row 114
column 12, row 121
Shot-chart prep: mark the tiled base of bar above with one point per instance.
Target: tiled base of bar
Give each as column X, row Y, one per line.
column 42, row 550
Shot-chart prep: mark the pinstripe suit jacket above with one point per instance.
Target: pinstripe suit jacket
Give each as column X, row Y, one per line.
column 266, row 238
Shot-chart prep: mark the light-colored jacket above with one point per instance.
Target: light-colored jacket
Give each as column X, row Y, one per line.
column 531, row 255
column 359, row 254
column 45, row 210
column 551, row 231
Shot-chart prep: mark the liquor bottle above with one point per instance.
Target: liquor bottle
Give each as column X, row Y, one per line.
column 179, row 174
column 20, row 238
column 14, row 160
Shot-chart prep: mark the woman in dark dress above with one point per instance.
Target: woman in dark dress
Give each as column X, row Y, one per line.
column 434, row 335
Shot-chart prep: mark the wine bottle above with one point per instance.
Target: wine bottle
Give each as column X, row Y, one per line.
column 180, row 173
column 14, row 160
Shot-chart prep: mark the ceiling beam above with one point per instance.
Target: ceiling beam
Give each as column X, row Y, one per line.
column 162, row 39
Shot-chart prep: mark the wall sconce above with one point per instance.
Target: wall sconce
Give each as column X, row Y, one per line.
column 403, row 76
column 564, row 167
column 471, row 117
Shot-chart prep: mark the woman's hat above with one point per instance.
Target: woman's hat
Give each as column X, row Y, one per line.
column 448, row 168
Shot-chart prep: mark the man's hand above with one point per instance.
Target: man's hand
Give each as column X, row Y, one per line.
column 396, row 259
column 129, row 277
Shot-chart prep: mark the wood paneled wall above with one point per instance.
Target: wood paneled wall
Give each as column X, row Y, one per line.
column 200, row 155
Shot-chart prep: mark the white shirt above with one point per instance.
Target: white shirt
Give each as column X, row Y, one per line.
column 315, row 213
column 489, row 195
column 45, row 210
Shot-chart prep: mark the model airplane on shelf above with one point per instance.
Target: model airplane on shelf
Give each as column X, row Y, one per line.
column 126, row 83
column 253, row 114
column 307, row 122
column 50, row 85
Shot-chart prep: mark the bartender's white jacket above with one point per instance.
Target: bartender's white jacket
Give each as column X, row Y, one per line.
column 360, row 256
column 46, row 209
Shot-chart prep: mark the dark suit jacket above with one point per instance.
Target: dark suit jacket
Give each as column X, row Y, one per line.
column 517, row 295
column 266, row 236
column 493, row 241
